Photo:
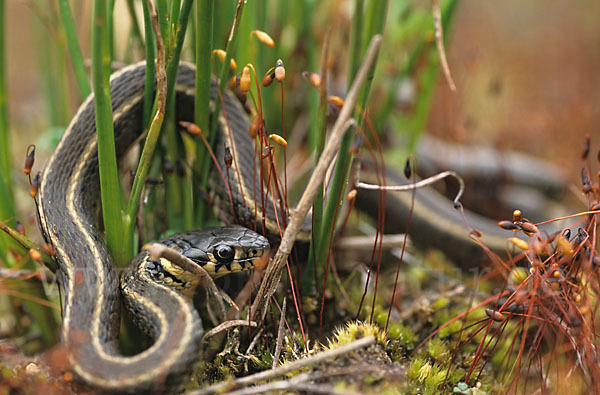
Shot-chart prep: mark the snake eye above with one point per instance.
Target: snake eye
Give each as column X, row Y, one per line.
column 224, row 253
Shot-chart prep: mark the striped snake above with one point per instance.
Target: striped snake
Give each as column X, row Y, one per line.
column 152, row 290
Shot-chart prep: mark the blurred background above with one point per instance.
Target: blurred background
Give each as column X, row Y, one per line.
column 526, row 72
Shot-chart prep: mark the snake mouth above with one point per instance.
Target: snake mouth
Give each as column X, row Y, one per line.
column 220, row 269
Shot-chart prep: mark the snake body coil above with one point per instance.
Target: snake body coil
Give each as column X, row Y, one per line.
column 69, row 196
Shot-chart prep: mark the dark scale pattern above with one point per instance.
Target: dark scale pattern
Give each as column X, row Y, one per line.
column 162, row 276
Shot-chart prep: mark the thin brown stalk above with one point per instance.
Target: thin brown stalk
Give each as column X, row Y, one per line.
column 280, row 334
column 439, row 40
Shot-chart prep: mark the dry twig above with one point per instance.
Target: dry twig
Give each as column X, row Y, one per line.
column 285, row 369
column 280, row 334
column 439, row 40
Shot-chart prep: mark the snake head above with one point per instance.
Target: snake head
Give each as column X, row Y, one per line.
column 221, row 250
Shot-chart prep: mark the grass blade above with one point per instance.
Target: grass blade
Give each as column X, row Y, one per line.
column 150, row 51
column 375, row 22
column 109, row 177
column 204, row 45
column 74, row 50
column 153, row 133
column 223, row 79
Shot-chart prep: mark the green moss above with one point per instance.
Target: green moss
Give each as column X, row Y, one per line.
column 441, row 303
column 438, row 350
column 406, row 337
column 355, row 330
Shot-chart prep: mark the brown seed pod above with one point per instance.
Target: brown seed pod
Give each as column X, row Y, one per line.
column 564, row 246
column 556, row 274
column 268, row 79
column 35, row 184
column 521, row 244
column 313, row 78
column 232, row 64
column 227, row 157
column 245, row 79
column 35, row 255
column 336, row 101
column 221, row 55
column 476, row 233
column 263, row 38
column 252, row 131
column 407, row 169
column 517, row 216
column 352, row 194
column 234, row 81
column 508, row 225
column 278, row 139
column 266, row 152
column 529, row 228
column 494, row 315
column 191, row 128
column 279, row 71
column 29, row 160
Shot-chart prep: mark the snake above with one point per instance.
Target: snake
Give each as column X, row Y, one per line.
column 153, row 291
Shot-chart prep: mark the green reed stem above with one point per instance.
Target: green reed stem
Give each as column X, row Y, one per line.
column 180, row 30
column 356, row 41
column 135, row 26
column 150, row 51
column 223, row 79
column 110, row 26
column 163, row 23
column 180, row 207
column 181, row 27
column 74, row 50
column 173, row 17
column 204, row 44
column 28, row 244
column 308, row 282
column 145, row 163
column 109, row 177
column 376, row 12
column 375, row 22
